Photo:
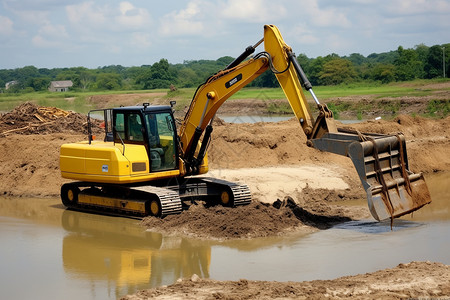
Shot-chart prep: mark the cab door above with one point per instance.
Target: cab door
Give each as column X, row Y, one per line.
column 161, row 135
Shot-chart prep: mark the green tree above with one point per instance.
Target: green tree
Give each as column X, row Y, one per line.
column 267, row 79
column 314, row 68
column 187, row 77
column 433, row 65
column 407, row 65
column 422, row 52
column 39, row 83
column 383, row 72
column 86, row 78
column 225, row 61
column 108, row 81
column 356, row 59
column 160, row 75
column 337, row 71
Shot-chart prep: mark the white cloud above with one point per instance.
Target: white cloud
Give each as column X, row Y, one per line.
column 50, row 36
column 259, row 11
column 418, row 7
column 186, row 21
column 34, row 17
column 86, row 14
column 206, row 18
column 326, row 17
column 141, row 40
column 303, row 35
column 6, row 26
column 132, row 17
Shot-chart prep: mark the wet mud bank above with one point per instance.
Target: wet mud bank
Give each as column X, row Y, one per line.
column 410, row 280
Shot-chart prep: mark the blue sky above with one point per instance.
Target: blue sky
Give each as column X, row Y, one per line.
column 71, row 33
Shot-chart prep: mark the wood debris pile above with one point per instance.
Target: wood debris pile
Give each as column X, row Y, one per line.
column 29, row 118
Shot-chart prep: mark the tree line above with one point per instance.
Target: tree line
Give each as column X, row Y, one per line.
column 420, row 62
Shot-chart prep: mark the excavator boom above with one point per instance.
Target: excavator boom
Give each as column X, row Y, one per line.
column 380, row 160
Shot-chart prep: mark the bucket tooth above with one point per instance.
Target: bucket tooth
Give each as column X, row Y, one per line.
column 399, row 201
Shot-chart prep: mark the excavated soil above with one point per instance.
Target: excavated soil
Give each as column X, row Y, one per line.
column 415, row 280
column 258, row 219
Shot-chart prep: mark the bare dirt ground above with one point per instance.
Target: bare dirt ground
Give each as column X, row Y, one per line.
column 415, row 280
column 108, row 101
column 278, row 166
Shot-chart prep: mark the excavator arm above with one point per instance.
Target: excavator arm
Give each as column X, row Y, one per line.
column 380, row 160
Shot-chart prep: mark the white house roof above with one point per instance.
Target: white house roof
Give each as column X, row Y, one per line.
column 62, row 83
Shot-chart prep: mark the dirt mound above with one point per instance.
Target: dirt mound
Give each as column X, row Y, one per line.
column 29, row 118
column 254, row 220
column 29, row 164
column 269, row 144
column 413, row 280
column 427, row 140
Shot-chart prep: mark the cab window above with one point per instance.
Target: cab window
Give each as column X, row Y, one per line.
column 161, row 141
column 129, row 127
column 135, row 128
column 119, row 125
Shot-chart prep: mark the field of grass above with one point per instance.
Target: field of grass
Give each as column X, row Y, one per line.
column 398, row 89
column 78, row 101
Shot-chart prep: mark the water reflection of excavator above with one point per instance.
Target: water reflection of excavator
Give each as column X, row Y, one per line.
column 144, row 167
column 128, row 257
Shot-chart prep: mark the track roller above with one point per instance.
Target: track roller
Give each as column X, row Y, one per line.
column 69, row 194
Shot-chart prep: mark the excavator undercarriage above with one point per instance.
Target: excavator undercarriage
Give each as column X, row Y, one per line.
column 160, row 199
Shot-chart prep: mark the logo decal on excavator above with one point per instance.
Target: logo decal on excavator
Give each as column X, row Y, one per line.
column 105, row 168
column 230, row 83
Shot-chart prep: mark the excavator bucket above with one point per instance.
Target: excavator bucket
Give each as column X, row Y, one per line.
column 382, row 165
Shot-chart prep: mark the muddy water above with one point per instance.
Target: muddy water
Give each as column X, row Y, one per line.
column 48, row 252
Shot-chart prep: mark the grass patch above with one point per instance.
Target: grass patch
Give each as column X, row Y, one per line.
column 279, row 108
column 259, row 93
column 338, row 107
column 438, row 108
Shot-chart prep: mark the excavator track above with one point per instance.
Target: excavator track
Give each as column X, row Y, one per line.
column 147, row 200
column 239, row 193
column 170, row 202
column 128, row 201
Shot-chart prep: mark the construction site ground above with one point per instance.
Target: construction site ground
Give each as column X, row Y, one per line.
column 273, row 159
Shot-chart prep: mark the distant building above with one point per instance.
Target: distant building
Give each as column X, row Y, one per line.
column 60, row 86
column 10, row 84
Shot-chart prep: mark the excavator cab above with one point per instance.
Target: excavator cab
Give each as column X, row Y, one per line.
column 151, row 126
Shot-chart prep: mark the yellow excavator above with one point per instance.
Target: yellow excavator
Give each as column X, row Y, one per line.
column 145, row 166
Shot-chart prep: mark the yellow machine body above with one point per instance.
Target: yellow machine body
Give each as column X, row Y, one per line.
column 105, row 162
